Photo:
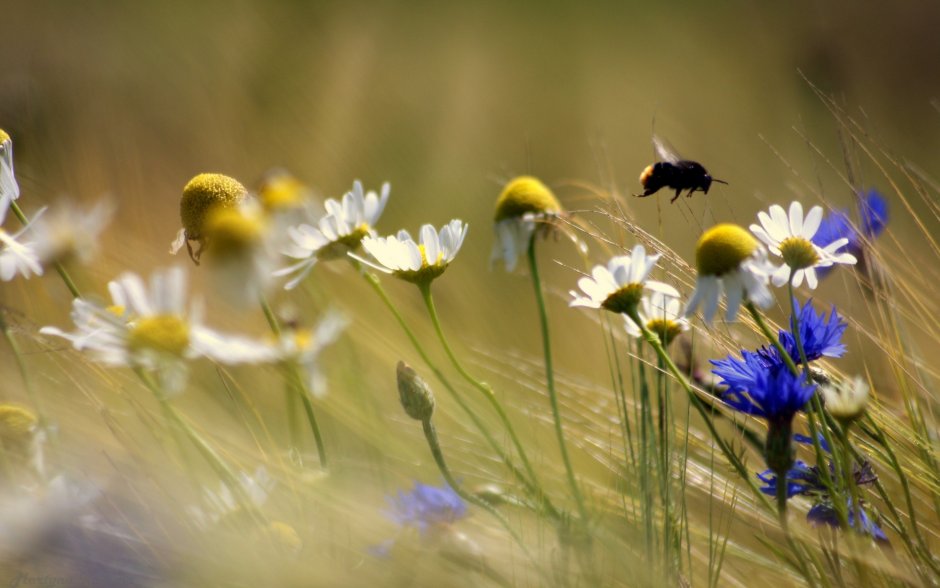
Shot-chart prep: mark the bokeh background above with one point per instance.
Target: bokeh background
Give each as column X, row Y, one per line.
column 447, row 101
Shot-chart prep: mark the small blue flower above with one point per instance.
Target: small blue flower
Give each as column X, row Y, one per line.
column 759, row 386
column 426, row 506
column 873, row 212
column 801, row 479
column 824, row 514
column 821, row 337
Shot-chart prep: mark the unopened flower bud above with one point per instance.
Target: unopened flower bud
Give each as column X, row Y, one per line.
column 415, row 394
column 846, row 400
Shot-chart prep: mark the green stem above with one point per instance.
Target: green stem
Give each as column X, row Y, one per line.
column 58, row 266
column 217, row 464
column 797, row 335
column 430, row 433
column 550, row 380
column 295, row 388
column 653, row 340
column 534, row 491
column 483, row 387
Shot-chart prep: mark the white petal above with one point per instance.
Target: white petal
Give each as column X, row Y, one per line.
column 811, row 222
column 796, row 218
column 780, row 222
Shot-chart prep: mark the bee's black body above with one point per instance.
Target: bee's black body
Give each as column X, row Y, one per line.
column 677, row 174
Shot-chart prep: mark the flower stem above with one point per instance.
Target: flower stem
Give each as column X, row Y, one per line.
column 653, row 340
column 765, row 329
column 530, row 485
column 797, row 334
column 295, row 388
column 57, row 265
column 430, row 433
column 481, row 386
column 550, row 379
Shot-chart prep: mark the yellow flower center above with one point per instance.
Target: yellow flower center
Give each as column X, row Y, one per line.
column 666, row 329
column 233, row 233
column 344, row 244
column 282, row 192
column 4, row 137
column 723, row 248
column 166, row 333
column 116, row 309
column 798, row 253
column 624, row 300
column 523, row 195
column 16, row 426
column 203, row 193
column 427, row 272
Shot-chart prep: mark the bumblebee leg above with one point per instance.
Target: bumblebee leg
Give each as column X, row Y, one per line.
column 689, row 195
column 678, row 192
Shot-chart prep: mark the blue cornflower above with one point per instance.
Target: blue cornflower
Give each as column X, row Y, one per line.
column 873, row 212
column 759, row 386
column 821, row 336
column 824, row 514
column 426, row 506
column 802, row 478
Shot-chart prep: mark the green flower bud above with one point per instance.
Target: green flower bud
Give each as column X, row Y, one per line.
column 415, row 394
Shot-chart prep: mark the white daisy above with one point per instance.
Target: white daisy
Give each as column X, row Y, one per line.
column 729, row 260
column 524, row 206
column 67, row 231
column 791, row 237
column 9, row 189
column 17, row 257
column 661, row 313
column 619, row 286
column 303, row 347
column 153, row 330
column 242, row 256
column 339, row 231
column 415, row 262
column 222, row 506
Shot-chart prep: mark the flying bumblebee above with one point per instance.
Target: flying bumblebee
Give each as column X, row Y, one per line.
column 675, row 173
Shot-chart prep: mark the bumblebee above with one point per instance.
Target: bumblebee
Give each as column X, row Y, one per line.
column 675, row 173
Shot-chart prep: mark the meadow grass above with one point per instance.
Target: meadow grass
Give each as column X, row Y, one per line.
column 527, row 473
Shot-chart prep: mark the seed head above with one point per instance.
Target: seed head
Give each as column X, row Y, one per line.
column 525, row 194
column 723, row 248
column 203, row 193
column 415, row 394
column 798, row 253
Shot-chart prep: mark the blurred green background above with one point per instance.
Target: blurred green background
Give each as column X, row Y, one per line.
column 449, row 100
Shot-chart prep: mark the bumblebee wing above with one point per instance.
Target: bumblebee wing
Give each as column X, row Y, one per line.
column 664, row 152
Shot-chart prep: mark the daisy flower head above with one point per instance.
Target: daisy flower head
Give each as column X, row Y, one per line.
column 416, row 262
column 151, row 328
column 21, row 438
column 661, row 313
column 790, row 236
column 201, row 195
column 618, row 286
column 729, row 260
column 304, row 346
column 341, row 230
column 18, row 257
column 282, row 193
column 9, row 189
column 69, row 232
column 525, row 205
column 241, row 258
